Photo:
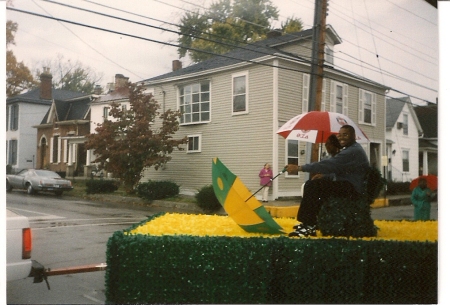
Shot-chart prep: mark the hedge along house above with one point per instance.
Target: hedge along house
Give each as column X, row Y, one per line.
column 233, row 105
column 403, row 131
column 61, row 136
column 25, row 110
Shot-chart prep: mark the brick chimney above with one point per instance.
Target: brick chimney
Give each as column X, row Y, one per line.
column 120, row 81
column 176, row 65
column 46, row 84
column 98, row 89
column 273, row 33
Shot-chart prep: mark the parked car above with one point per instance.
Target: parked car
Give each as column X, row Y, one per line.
column 36, row 180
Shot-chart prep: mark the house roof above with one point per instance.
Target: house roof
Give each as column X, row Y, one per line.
column 249, row 52
column 69, row 110
column 33, row 96
column 394, row 107
column 428, row 118
column 254, row 53
column 119, row 94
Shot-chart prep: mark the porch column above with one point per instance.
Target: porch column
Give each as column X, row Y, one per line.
column 88, row 157
column 425, row 163
column 70, row 159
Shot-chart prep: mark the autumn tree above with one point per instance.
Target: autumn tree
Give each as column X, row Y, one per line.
column 18, row 76
column 133, row 139
column 69, row 75
column 226, row 25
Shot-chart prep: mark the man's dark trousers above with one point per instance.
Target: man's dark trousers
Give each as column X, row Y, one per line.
column 316, row 192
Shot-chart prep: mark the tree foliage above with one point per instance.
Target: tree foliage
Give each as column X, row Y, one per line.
column 226, row 25
column 72, row 76
column 134, row 139
column 18, row 76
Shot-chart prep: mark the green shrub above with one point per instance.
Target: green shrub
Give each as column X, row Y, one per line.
column 395, row 188
column 207, row 200
column 154, row 190
column 101, row 186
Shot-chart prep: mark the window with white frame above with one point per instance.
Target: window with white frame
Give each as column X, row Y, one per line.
column 405, row 124
column 405, row 160
column 292, row 153
column 329, row 55
column 305, row 93
column 14, row 117
column 194, row 143
column 240, row 93
column 7, row 118
column 105, row 113
column 339, row 97
column 12, row 158
column 367, row 107
column 195, row 103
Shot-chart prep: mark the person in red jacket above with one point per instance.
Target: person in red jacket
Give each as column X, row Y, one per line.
column 265, row 176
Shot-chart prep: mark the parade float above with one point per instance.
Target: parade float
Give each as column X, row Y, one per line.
column 246, row 257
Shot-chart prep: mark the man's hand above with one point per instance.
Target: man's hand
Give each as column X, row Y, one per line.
column 292, row 169
column 317, row 176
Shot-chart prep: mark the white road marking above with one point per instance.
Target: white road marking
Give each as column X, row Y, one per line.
column 86, row 225
column 46, row 215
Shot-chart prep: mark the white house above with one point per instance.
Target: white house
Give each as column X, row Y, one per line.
column 403, row 131
column 118, row 93
column 23, row 111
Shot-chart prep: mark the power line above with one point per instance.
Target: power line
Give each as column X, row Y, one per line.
column 407, row 50
column 296, row 58
column 91, row 47
column 215, row 41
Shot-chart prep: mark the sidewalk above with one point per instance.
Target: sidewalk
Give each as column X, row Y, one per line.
column 394, row 208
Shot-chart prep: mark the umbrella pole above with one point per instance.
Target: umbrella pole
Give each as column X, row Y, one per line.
column 284, row 169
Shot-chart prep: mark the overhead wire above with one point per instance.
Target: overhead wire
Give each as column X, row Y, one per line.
column 88, row 45
column 344, row 17
column 134, row 36
column 219, row 42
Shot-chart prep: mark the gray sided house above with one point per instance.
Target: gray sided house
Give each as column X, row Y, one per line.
column 403, row 131
column 23, row 111
column 233, row 105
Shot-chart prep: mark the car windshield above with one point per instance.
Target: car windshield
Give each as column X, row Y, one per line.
column 47, row 174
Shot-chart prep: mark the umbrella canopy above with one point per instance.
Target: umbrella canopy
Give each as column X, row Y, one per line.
column 432, row 182
column 317, row 126
column 232, row 194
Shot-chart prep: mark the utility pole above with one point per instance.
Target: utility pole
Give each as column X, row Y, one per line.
column 317, row 62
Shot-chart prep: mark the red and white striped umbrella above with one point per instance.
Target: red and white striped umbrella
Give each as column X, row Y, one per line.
column 317, row 126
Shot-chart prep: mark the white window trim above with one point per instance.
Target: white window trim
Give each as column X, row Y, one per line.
column 51, row 149
column 65, row 151
column 324, row 92
column 305, row 92
column 287, row 175
column 59, row 149
column 373, row 105
column 210, row 101
column 334, row 84
column 199, row 136
column 233, row 76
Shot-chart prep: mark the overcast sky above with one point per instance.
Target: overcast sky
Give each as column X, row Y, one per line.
column 393, row 42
